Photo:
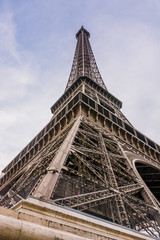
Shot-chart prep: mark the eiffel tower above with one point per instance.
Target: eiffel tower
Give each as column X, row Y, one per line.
column 89, row 156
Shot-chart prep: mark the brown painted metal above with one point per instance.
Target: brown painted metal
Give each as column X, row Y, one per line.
column 84, row 63
column 85, row 156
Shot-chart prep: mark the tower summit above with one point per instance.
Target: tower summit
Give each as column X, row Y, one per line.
column 89, row 158
column 84, row 63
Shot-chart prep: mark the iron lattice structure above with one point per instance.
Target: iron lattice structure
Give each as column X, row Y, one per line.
column 25, row 183
column 89, row 156
column 84, row 63
column 99, row 179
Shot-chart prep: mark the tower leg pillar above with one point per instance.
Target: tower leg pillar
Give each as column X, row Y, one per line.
column 46, row 186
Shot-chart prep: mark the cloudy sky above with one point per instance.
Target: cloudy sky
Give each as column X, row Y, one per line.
column 37, row 44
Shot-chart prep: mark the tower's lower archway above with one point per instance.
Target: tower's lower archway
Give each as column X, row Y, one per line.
column 151, row 177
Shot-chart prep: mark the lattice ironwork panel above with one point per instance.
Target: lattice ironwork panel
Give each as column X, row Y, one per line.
column 26, row 183
column 84, row 63
column 98, row 178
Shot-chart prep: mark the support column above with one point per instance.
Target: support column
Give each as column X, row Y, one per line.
column 47, row 185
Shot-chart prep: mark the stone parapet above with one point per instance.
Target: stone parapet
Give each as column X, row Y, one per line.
column 36, row 219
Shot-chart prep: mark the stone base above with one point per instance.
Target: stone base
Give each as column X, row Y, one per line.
column 35, row 219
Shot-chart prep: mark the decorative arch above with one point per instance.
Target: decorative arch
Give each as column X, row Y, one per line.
column 148, row 171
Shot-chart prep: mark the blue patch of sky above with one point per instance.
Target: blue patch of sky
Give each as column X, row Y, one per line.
column 44, row 23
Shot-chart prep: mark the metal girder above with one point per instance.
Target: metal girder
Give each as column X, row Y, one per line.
column 84, row 199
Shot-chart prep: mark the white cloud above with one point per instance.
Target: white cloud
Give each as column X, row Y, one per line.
column 8, row 42
column 129, row 63
column 17, row 76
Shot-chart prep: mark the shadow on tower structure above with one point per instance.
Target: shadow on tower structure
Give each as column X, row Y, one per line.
column 89, row 156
